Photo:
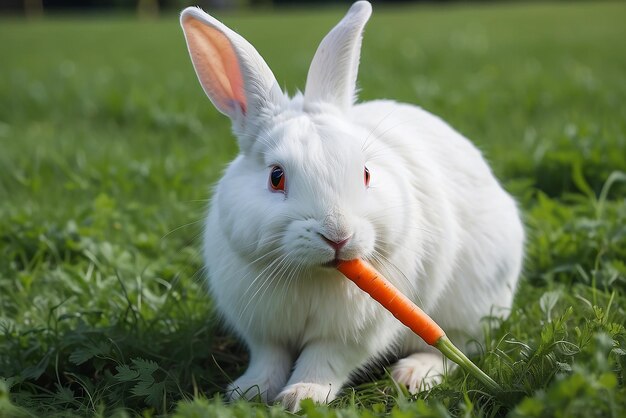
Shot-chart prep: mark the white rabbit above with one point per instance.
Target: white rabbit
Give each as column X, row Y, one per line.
column 298, row 197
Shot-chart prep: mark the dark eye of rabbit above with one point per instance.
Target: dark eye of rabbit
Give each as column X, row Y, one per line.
column 367, row 177
column 277, row 178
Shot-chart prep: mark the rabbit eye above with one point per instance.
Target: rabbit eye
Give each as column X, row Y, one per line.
column 367, row 177
column 277, row 179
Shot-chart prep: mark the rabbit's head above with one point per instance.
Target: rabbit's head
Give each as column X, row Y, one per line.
column 307, row 188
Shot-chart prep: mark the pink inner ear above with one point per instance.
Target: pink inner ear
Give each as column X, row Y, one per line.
column 217, row 66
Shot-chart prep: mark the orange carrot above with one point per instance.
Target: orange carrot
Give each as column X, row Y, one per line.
column 379, row 288
column 365, row 276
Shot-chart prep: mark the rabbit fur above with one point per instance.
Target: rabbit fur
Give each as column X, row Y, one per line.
column 434, row 219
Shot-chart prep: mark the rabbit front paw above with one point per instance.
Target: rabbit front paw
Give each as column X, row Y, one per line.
column 291, row 396
column 419, row 371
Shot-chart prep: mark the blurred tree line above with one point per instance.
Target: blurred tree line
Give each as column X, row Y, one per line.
column 148, row 7
column 34, row 7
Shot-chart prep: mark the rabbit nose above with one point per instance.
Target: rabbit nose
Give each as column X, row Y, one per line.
column 336, row 245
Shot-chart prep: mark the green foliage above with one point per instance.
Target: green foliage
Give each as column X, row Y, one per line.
column 109, row 148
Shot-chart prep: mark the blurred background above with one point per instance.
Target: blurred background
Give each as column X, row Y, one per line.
column 154, row 7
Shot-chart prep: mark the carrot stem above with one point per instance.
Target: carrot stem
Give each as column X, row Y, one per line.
column 453, row 353
column 380, row 289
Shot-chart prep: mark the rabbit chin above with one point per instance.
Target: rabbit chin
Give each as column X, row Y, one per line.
column 305, row 242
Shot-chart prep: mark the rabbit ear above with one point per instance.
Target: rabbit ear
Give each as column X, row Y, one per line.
column 333, row 71
column 230, row 70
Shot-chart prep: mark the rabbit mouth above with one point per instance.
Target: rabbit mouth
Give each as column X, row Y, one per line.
column 333, row 263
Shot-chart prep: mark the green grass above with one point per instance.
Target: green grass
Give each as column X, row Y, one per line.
column 108, row 148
